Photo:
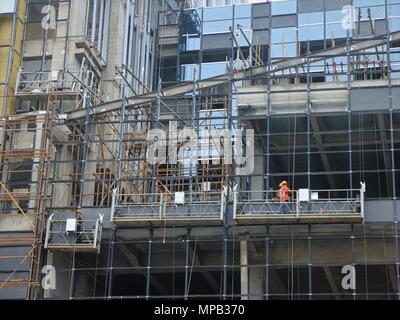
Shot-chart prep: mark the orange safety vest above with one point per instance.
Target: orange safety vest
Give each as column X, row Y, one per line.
column 284, row 193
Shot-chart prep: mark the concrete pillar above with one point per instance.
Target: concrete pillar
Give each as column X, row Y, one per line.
column 78, row 18
column 64, row 170
column 90, row 172
column 251, row 279
column 36, row 162
column 115, row 48
column 59, row 50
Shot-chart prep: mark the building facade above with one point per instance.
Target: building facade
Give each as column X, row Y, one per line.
column 143, row 144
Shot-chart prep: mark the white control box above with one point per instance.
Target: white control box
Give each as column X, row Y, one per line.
column 179, row 197
column 304, row 195
column 71, row 225
column 314, row 196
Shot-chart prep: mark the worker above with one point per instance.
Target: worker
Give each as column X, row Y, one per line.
column 284, row 196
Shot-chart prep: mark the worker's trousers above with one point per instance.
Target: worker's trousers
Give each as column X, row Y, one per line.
column 284, row 208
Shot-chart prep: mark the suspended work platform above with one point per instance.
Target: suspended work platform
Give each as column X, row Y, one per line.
column 159, row 208
column 74, row 234
column 304, row 206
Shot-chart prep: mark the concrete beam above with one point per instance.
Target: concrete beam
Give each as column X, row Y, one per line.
column 276, row 282
column 335, row 144
column 384, row 142
column 393, row 278
column 206, row 274
column 324, row 156
column 332, row 281
column 134, row 262
column 15, row 223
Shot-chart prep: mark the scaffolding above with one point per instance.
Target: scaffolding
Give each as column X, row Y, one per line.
column 26, row 153
column 173, row 200
column 77, row 170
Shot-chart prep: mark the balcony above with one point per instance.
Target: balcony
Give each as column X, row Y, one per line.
column 305, row 206
column 159, row 208
column 73, row 235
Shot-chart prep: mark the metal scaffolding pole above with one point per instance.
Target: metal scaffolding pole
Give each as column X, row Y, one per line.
column 353, row 258
column 266, row 274
column 309, row 254
column 111, row 263
column 149, row 261
column 81, row 177
column 240, row 74
column 225, row 267
column 187, row 259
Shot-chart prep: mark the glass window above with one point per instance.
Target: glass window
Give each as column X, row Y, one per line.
column 311, row 18
column 311, row 26
column 283, row 7
column 317, row 67
column 189, row 71
column 334, row 16
column 395, row 58
column 313, row 32
column 376, row 12
column 35, row 15
column 283, row 50
column 280, row 35
column 97, row 13
column 335, row 30
column 34, row 29
column 219, row 13
column 34, row 65
column 245, row 24
column 242, row 40
column 394, row 10
column 7, row 6
column 217, row 26
column 243, row 11
column 365, row 3
column 209, row 70
column 191, row 22
column 191, row 42
column 394, row 24
column 338, row 78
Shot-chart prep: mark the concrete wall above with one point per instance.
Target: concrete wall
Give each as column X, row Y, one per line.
column 327, row 97
column 257, row 180
column 14, row 223
column 10, row 55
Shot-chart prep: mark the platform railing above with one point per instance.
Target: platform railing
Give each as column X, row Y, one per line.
column 261, row 203
column 334, row 202
column 86, row 236
column 45, row 82
column 168, row 206
column 302, row 203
